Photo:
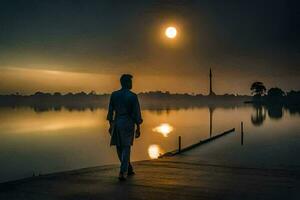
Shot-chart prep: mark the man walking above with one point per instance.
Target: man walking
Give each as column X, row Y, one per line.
column 124, row 115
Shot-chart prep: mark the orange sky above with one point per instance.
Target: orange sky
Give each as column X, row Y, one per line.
column 28, row 81
column 68, row 46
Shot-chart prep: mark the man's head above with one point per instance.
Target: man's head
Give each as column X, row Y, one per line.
column 126, row 81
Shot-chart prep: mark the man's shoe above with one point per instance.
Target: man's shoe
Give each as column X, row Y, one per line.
column 130, row 173
column 122, row 177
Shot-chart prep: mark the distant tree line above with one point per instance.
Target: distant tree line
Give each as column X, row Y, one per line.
column 273, row 95
column 153, row 99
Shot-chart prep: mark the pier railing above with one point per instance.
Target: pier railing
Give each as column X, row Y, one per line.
column 201, row 142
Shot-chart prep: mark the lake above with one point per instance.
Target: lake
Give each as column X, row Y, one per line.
column 51, row 141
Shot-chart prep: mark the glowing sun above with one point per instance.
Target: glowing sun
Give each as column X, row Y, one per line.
column 164, row 129
column 171, row 32
column 154, row 151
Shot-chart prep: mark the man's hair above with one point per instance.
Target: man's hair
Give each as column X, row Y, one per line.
column 125, row 79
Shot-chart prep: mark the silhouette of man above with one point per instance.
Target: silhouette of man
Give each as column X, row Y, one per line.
column 123, row 115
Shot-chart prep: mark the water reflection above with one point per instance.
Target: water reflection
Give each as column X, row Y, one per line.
column 154, row 151
column 25, row 121
column 274, row 112
column 50, row 138
column 259, row 116
column 211, row 110
column 165, row 129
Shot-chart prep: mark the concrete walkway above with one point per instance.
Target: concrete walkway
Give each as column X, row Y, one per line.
column 184, row 176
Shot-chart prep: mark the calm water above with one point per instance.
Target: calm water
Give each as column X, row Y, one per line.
column 51, row 141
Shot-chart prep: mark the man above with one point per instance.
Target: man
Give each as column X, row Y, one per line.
column 123, row 115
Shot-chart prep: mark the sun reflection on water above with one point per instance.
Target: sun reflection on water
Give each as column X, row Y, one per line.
column 154, row 151
column 165, row 129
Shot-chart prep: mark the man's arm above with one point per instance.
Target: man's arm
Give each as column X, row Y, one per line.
column 110, row 114
column 137, row 115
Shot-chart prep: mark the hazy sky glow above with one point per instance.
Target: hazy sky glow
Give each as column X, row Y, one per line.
column 85, row 45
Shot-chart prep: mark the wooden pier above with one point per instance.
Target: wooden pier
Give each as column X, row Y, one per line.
column 183, row 175
column 201, row 142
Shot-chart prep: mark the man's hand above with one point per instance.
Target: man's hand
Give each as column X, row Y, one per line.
column 137, row 132
column 110, row 130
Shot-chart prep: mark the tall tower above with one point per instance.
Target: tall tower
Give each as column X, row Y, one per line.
column 210, row 83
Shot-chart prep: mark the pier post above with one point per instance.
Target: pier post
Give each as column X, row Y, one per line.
column 242, row 133
column 179, row 144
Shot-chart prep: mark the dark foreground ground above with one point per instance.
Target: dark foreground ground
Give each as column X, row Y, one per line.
column 184, row 176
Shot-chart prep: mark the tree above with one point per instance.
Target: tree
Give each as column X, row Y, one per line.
column 57, row 94
column 293, row 97
column 258, row 89
column 275, row 93
column 92, row 93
